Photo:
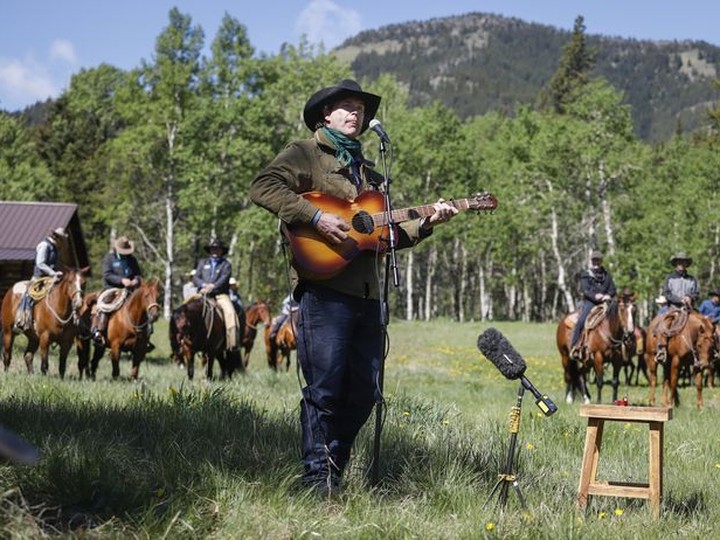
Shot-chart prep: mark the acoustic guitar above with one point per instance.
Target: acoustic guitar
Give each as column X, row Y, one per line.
column 314, row 258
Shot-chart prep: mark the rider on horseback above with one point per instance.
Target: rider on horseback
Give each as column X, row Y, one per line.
column 681, row 291
column 46, row 260
column 212, row 278
column 710, row 307
column 597, row 286
column 120, row 271
column 289, row 304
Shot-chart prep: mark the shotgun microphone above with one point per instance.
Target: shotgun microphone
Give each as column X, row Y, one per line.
column 503, row 356
column 377, row 127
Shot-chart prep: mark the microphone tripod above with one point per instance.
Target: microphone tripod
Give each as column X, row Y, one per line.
column 508, row 478
column 391, row 267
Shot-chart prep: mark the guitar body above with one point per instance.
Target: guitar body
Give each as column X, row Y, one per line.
column 314, row 258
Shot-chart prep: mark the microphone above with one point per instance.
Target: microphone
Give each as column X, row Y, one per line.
column 376, row 126
column 503, row 355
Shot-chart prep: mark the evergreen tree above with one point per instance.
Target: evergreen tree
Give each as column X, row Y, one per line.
column 577, row 62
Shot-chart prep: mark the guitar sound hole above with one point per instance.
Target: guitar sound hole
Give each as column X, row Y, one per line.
column 362, row 222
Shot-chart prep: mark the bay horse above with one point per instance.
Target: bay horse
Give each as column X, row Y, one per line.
column 690, row 342
column 606, row 330
column 54, row 321
column 278, row 349
column 128, row 329
column 197, row 327
column 257, row 313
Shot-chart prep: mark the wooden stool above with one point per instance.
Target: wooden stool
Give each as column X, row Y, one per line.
column 655, row 417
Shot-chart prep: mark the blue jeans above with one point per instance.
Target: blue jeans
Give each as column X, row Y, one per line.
column 339, row 350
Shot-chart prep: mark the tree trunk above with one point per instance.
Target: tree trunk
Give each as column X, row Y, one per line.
column 606, row 211
column 432, row 260
column 409, row 285
column 561, row 272
column 169, row 248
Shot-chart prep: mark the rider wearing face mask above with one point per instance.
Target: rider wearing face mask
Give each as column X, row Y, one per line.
column 597, row 286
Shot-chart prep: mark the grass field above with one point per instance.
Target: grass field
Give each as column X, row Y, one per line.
column 169, row 458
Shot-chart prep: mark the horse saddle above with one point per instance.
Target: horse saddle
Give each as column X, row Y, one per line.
column 596, row 314
column 111, row 300
column 672, row 323
column 37, row 288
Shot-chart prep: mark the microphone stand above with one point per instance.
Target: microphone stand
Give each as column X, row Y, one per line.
column 390, row 266
column 508, row 477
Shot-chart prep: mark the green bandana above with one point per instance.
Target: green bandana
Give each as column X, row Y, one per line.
column 346, row 149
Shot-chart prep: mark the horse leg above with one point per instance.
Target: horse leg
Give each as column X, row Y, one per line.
column 209, row 366
column 82, row 349
column 44, row 353
column 598, row 364
column 115, row 360
column 62, row 360
column 699, row 386
column 29, row 353
column 8, row 339
column 616, row 377
column 651, row 366
column 670, row 384
column 188, row 357
column 98, row 352
column 138, row 355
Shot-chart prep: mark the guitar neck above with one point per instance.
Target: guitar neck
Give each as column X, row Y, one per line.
column 406, row 214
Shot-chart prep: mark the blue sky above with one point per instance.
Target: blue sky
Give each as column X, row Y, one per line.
column 43, row 42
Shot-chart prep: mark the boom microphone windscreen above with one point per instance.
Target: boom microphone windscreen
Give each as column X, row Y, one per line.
column 498, row 350
column 501, row 353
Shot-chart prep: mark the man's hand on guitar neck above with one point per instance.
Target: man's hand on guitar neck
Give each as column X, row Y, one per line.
column 443, row 212
column 332, row 227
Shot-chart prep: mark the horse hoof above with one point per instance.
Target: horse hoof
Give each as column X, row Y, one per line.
column 569, row 399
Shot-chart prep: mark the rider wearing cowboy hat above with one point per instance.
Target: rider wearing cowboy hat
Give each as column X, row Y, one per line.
column 597, row 286
column 681, row 289
column 212, row 278
column 120, row 271
column 47, row 257
column 710, row 307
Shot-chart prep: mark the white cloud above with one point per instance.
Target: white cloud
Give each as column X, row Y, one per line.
column 327, row 22
column 24, row 82
column 62, row 49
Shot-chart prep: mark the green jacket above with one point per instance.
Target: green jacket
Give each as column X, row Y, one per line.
column 308, row 165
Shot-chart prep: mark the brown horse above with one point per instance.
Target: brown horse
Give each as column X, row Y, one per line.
column 689, row 339
column 128, row 329
column 257, row 313
column 278, row 349
column 197, row 326
column 606, row 329
column 635, row 357
column 55, row 321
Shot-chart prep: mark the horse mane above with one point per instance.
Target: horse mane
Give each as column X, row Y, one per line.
column 613, row 307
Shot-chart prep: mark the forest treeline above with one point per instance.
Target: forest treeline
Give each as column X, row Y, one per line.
column 165, row 154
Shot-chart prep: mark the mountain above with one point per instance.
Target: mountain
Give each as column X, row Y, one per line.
column 479, row 62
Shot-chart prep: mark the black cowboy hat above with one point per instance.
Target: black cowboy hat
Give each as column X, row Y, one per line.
column 596, row 255
column 215, row 243
column 680, row 256
column 714, row 293
column 313, row 113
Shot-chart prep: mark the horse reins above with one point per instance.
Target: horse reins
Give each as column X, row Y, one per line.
column 142, row 326
column 73, row 312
